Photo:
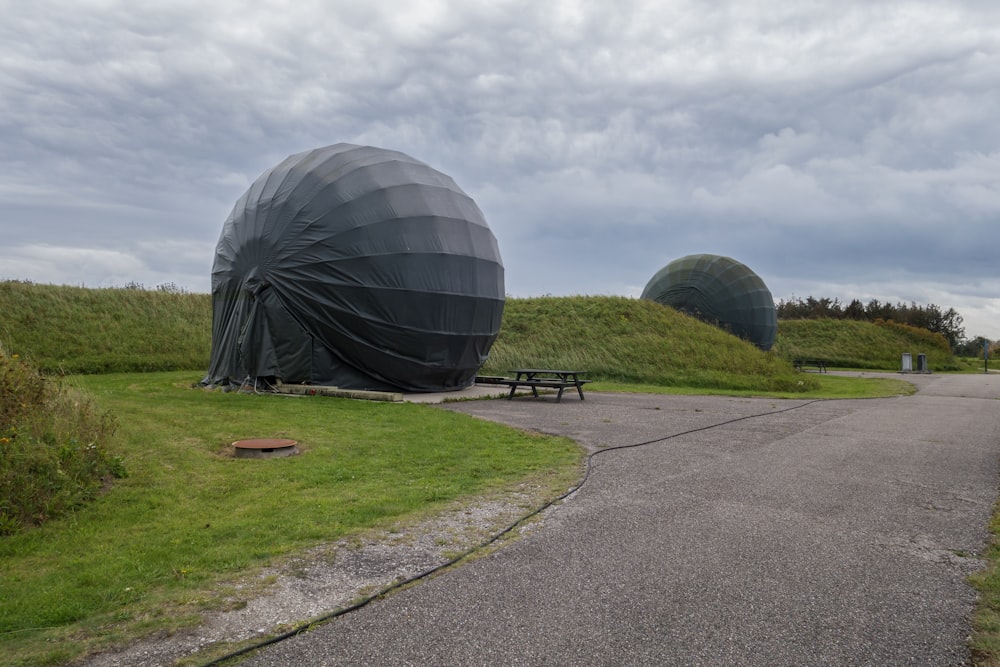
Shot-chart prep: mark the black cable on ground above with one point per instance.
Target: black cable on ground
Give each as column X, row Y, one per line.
column 427, row 573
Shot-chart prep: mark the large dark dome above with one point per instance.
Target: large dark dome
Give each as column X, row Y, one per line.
column 719, row 290
column 356, row 267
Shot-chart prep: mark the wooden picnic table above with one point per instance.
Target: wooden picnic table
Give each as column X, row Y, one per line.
column 547, row 378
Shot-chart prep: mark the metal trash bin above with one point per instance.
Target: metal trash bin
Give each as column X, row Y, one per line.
column 907, row 363
column 922, row 363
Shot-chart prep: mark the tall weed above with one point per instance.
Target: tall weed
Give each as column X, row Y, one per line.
column 53, row 447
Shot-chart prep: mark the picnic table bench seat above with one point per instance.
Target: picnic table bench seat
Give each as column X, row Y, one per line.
column 547, row 379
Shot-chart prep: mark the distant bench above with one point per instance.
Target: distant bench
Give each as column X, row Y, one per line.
column 545, row 378
column 814, row 363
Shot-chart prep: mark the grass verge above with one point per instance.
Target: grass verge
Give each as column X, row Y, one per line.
column 986, row 621
column 153, row 553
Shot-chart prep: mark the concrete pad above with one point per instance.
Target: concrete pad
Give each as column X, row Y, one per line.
column 475, row 392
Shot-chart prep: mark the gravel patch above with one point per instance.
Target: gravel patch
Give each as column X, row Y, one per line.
column 313, row 584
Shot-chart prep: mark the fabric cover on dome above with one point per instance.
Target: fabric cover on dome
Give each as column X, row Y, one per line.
column 719, row 290
column 356, row 267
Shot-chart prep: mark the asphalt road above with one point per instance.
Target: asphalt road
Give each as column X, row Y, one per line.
column 751, row 532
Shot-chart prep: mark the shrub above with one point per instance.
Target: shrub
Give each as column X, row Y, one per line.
column 53, row 447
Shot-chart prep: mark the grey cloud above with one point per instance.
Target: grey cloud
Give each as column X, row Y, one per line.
column 628, row 133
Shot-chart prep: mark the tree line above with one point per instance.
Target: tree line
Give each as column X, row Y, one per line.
column 948, row 323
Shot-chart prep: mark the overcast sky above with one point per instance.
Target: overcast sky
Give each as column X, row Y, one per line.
column 844, row 149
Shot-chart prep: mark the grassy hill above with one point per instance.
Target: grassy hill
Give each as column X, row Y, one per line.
column 81, row 330
column 852, row 344
column 615, row 339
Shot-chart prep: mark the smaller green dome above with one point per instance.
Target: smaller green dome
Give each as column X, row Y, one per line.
column 721, row 291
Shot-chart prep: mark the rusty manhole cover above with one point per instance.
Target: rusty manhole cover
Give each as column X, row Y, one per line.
column 264, row 448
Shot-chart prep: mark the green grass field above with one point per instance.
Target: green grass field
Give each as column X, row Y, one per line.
column 156, row 550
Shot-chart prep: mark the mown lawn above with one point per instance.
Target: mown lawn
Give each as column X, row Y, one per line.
column 151, row 554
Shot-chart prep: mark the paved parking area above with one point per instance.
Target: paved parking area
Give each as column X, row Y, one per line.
column 747, row 532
